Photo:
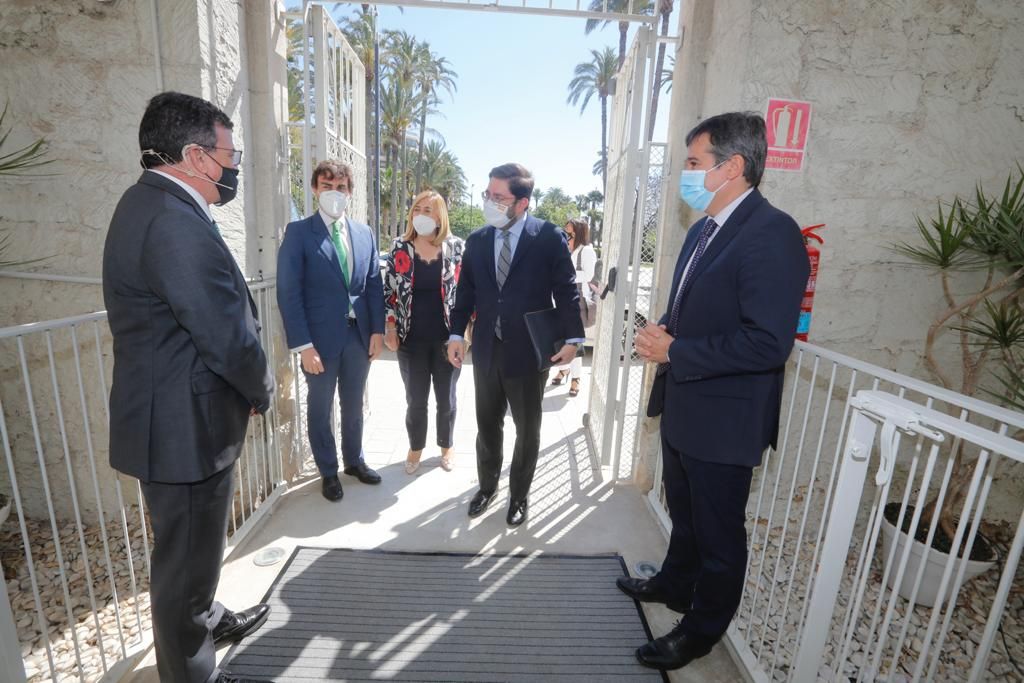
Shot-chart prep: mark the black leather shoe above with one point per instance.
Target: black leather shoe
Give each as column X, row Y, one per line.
column 363, row 473
column 331, row 488
column 516, row 512
column 673, row 650
column 234, row 626
column 226, row 677
column 479, row 503
column 645, row 590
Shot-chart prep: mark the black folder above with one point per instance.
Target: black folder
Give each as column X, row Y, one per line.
column 545, row 329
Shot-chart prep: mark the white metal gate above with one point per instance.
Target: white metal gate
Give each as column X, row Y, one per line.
column 636, row 180
column 335, row 105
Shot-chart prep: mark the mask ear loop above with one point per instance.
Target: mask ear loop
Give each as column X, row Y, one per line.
column 202, row 176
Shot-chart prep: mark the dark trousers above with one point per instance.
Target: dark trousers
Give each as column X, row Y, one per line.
column 190, row 525
column 423, row 361
column 707, row 552
column 496, row 393
column 345, row 373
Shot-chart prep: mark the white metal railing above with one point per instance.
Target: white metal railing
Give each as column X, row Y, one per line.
column 817, row 607
column 77, row 564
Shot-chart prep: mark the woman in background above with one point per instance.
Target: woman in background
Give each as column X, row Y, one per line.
column 419, row 292
column 584, row 257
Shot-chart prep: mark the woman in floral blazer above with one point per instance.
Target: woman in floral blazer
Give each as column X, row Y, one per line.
column 419, row 293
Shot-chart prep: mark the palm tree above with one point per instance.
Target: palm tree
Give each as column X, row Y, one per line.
column 360, row 32
column 442, row 172
column 620, row 7
column 432, row 74
column 396, row 111
column 595, row 78
column 581, row 202
column 538, row 194
column 594, row 197
column 664, row 10
column 666, row 74
column 600, row 167
column 399, row 60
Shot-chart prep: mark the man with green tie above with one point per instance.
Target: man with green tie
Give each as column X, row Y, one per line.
column 332, row 302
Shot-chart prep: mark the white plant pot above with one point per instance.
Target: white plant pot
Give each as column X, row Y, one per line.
column 928, row 593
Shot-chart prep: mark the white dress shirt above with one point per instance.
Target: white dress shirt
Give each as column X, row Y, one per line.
column 200, row 200
column 720, row 218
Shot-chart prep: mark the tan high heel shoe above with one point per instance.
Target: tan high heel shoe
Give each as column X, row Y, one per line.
column 411, row 464
column 446, row 459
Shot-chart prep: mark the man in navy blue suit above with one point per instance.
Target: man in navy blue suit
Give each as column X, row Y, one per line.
column 332, row 301
column 514, row 265
column 721, row 350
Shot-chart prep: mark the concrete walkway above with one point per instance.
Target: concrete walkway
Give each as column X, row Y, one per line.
column 573, row 507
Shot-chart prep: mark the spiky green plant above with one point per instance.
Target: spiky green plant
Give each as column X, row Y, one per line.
column 984, row 233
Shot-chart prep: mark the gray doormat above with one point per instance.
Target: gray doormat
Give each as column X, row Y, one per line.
column 365, row 615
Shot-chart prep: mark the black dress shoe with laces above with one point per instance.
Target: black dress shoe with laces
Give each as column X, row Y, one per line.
column 234, row 626
column 227, row 677
column 363, row 473
column 331, row 488
column 674, row 650
column 646, row 590
column 516, row 512
column 479, row 503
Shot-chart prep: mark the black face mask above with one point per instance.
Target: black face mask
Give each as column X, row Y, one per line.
column 227, row 186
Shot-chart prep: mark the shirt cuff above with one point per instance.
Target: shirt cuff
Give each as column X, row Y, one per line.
column 454, row 337
column 300, row 349
column 578, row 340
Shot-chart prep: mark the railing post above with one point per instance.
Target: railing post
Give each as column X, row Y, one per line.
column 11, row 667
column 843, row 515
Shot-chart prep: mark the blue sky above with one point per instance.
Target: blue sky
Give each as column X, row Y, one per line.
column 513, row 75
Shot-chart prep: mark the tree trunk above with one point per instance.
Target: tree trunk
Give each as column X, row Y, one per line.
column 371, row 157
column 403, row 184
column 657, row 79
column 604, row 145
column 419, row 148
column 623, row 28
column 392, row 163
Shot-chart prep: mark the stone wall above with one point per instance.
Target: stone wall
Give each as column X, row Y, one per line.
column 79, row 73
column 913, row 103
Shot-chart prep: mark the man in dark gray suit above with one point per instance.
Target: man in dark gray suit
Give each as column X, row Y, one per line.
column 188, row 372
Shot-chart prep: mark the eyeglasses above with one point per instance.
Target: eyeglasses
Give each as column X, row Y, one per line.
column 497, row 199
column 236, row 154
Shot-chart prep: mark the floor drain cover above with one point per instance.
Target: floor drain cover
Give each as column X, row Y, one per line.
column 268, row 556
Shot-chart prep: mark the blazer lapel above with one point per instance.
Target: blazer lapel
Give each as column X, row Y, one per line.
column 323, row 236
column 488, row 255
column 727, row 232
column 360, row 253
column 526, row 240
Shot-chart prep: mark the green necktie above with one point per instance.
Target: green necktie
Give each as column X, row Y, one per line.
column 339, row 246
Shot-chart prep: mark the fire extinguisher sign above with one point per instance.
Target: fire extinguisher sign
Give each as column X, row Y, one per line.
column 788, row 122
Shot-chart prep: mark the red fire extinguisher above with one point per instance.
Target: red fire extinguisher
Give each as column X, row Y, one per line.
column 813, row 255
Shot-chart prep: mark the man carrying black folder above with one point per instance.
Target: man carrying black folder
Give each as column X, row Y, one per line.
column 516, row 264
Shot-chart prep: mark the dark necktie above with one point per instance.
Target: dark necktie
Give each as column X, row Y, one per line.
column 504, row 263
column 702, row 243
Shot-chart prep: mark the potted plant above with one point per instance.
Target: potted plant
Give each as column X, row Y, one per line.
column 981, row 235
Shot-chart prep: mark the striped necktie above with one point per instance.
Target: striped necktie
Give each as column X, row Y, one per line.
column 504, row 263
column 706, row 232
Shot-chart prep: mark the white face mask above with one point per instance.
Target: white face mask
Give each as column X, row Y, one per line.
column 423, row 225
column 495, row 215
column 333, row 203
